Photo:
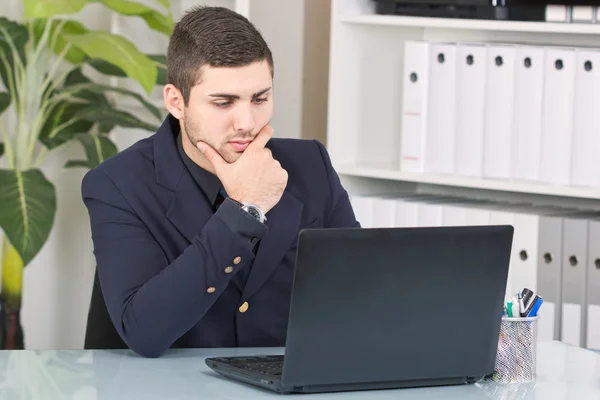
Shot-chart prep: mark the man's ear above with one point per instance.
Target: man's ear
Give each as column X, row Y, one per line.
column 173, row 101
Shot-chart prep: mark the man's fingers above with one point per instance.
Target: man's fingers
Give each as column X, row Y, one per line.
column 211, row 155
column 262, row 138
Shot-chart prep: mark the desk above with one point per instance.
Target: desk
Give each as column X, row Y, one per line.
column 564, row 372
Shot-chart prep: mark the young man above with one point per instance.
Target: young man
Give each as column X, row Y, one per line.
column 195, row 228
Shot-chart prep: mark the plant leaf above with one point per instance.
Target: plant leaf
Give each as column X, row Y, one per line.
column 27, row 210
column 76, row 77
column 1, row 149
column 97, row 149
column 161, row 65
column 4, row 101
column 63, row 124
column 155, row 20
column 111, row 116
column 98, row 88
column 68, row 27
column 49, row 8
column 19, row 36
column 112, row 70
column 77, row 164
column 118, row 51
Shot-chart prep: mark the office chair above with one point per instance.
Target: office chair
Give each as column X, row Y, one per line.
column 100, row 332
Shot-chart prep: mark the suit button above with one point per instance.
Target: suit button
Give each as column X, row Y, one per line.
column 211, row 289
column 244, row 307
column 228, row 270
column 237, row 260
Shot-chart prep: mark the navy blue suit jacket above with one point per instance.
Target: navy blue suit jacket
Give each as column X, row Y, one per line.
column 160, row 248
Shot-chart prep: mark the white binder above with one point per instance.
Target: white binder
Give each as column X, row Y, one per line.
column 527, row 129
column 574, row 272
column 593, row 286
column 470, row 102
column 586, row 120
column 557, row 127
column 506, row 217
column 414, row 106
column 499, row 104
column 363, row 206
column 441, row 113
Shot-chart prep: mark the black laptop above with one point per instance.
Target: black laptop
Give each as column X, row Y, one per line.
column 387, row 308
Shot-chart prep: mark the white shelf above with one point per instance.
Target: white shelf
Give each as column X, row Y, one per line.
column 465, row 182
column 469, row 24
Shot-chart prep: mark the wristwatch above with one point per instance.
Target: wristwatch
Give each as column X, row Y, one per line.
column 253, row 210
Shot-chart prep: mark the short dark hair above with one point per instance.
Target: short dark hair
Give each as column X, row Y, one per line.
column 214, row 36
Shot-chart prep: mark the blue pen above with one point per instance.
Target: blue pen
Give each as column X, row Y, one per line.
column 536, row 307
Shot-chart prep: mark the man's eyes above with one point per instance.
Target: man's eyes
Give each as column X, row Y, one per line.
column 225, row 104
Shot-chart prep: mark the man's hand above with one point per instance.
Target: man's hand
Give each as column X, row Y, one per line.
column 256, row 177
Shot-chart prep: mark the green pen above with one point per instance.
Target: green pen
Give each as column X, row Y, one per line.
column 509, row 308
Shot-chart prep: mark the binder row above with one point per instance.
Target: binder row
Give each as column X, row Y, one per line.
column 555, row 251
column 502, row 111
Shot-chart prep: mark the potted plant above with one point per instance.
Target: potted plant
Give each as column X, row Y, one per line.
column 50, row 101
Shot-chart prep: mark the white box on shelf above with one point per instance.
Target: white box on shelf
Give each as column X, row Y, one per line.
column 414, row 106
column 441, row 114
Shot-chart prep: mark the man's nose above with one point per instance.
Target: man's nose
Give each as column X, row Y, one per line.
column 244, row 118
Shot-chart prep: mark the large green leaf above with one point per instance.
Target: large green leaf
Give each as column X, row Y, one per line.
column 67, row 27
column 155, row 20
column 18, row 36
column 4, row 101
column 63, row 124
column 111, row 116
column 50, row 8
column 118, row 51
column 97, row 149
column 112, row 70
column 77, row 78
column 27, row 210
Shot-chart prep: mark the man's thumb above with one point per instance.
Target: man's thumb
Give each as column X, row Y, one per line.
column 210, row 154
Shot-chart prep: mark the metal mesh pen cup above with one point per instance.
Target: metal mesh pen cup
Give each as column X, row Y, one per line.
column 516, row 356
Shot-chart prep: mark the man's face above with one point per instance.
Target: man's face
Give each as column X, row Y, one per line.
column 229, row 107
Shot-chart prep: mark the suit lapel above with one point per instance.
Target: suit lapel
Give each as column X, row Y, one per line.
column 283, row 221
column 189, row 211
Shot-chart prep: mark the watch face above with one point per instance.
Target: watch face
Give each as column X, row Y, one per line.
column 254, row 212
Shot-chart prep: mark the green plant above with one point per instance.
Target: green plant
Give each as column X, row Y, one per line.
column 52, row 101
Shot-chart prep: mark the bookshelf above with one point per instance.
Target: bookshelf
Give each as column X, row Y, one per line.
column 366, row 91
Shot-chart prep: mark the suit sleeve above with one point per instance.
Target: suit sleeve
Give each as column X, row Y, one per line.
column 341, row 214
column 152, row 302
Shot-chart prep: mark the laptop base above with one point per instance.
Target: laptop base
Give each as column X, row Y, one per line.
column 236, row 368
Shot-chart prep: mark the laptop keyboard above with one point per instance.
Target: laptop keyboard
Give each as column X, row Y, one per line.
column 269, row 365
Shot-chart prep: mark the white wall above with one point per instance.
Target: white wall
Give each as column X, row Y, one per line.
column 57, row 284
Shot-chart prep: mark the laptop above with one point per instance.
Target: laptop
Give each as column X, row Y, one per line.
column 386, row 308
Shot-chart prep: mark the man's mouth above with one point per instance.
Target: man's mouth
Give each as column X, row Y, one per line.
column 240, row 145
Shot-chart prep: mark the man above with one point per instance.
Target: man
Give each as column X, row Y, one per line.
column 195, row 228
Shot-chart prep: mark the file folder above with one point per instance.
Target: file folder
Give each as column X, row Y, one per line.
column 593, row 286
column 574, row 272
column 470, row 103
column 441, row 114
column 527, row 130
column 499, row 104
column 586, row 121
column 549, row 264
column 557, row 127
column 414, row 105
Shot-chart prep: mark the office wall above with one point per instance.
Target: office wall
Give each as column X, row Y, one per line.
column 57, row 284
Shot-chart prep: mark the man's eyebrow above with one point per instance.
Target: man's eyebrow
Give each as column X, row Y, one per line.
column 236, row 97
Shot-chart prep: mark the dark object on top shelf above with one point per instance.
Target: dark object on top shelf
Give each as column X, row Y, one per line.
column 515, row 10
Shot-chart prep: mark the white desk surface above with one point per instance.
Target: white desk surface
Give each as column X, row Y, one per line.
column 564, row 372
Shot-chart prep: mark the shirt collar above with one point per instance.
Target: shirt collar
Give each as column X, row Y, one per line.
column 208, row 183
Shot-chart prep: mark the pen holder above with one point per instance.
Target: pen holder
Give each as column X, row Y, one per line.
column 516, row 355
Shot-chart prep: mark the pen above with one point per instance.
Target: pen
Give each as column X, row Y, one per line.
column 536, row 306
